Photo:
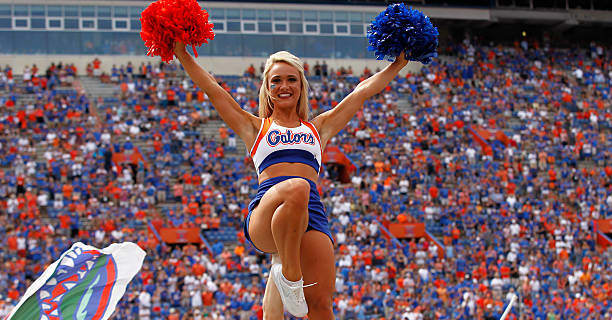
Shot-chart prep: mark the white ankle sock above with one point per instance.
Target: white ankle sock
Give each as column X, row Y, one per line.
column 289, row 282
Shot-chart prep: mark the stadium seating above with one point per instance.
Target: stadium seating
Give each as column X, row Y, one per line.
column 100, row 169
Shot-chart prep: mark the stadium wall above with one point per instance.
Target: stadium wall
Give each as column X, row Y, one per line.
column 72, row 31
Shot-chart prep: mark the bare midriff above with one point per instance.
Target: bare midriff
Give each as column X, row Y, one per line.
column 289, row 169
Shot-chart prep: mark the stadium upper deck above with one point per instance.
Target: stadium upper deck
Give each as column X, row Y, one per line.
column 313, row 29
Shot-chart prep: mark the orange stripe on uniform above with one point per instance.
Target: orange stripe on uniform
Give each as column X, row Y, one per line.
column 264, row 129
column 316, row 133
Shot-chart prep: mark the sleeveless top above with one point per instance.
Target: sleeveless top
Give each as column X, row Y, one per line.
column 278, row 144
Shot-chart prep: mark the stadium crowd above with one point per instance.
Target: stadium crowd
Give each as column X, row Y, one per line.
column 511, row 214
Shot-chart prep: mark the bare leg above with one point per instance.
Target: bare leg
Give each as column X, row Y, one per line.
column 272, row 303
column 318, row 265
column 278, row 223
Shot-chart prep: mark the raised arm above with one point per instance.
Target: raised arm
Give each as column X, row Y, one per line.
column 242, row 122
column 331, row 122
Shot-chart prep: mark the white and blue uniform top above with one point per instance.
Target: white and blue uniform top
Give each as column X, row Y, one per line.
column 278, row 144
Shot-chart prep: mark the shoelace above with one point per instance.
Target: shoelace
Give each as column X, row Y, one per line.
column 295, row 293
column 303, row 286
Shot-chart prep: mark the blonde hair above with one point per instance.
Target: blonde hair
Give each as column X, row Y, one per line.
column 265, row 104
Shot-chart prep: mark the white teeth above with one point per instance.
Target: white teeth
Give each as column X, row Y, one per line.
column 44, row 294
column 89, row 264
column 44, row 317
column 54, row 313
column 46, row 306
column 81, row 274
column 58, row 298
column 284, row 95
column 61, row 271
column 69, row 285
column 67, row 262
column 78, row 250
column 72, row 254
column 52, row 282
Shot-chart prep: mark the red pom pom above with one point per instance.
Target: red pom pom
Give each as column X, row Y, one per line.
column 166, row 21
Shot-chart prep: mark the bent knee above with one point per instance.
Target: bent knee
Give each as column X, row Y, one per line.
column 297, row 192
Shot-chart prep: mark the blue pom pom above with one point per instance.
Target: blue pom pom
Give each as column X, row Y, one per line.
column 398, row 29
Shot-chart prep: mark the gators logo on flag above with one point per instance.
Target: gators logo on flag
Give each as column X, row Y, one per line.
column 84, row 283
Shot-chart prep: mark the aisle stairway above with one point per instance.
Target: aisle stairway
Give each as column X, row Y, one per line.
column 210, row 130
column 405, row 106
column 94, row 88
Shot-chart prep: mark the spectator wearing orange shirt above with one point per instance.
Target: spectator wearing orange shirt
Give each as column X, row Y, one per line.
column 170, row 97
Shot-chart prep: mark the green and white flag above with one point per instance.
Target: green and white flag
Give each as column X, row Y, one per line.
column 85, row 283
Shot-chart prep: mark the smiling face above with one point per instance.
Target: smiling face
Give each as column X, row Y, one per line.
column 284, row 85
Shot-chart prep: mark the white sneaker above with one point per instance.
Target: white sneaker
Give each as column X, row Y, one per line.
column 292, row 295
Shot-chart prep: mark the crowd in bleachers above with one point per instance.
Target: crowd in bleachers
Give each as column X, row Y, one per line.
column 516, row 218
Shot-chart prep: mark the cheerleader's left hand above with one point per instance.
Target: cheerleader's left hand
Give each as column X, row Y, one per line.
column 401, row 59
